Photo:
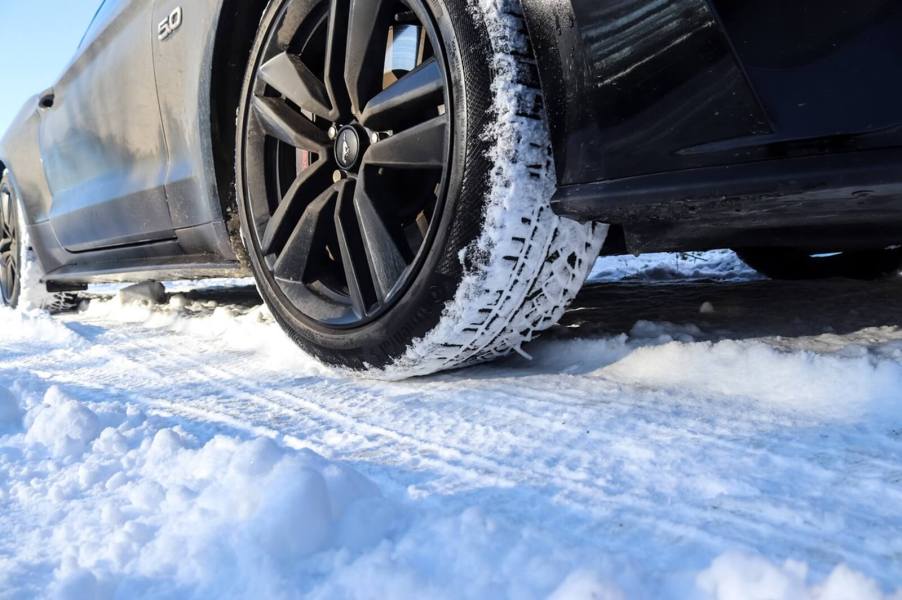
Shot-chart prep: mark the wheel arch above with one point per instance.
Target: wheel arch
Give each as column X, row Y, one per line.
column 235, row 33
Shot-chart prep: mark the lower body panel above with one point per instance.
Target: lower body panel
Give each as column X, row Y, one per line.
column 822, row 202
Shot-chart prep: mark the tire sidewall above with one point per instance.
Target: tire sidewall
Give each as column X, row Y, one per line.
column 465, row 46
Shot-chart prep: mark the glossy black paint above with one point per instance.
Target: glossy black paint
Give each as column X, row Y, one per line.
column 690, row 123
column 636, row 87
column 817, row 202
column 637, row 90
column 643, row 80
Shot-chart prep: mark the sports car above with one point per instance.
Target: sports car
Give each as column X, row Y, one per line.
column 418, row 185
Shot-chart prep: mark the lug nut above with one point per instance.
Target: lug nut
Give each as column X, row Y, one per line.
column 337, row 176
column 375, row 138
column 333, row 132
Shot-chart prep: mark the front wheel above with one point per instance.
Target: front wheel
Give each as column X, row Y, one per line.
column 394, row 175
column 794, row 264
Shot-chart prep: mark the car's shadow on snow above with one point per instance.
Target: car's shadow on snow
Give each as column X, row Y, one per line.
column 245, row 296
column 740, row 310
column 705, row 310
column 601, row 326
column 734, row 310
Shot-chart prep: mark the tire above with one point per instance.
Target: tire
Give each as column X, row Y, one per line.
column 496, row 266
column 793, row 264
column 20, row 283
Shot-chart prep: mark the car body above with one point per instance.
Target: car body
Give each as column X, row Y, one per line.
column 726, row 123
column 683, row 124
column 693, row 124
column 117, row 159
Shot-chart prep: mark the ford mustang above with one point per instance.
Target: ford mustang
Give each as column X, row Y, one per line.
column 418, row 185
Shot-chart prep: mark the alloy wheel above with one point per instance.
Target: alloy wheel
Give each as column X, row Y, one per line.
column 9, row 245
column 346, row 150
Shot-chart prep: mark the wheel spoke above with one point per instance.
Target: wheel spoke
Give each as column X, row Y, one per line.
column 318, row 223
column 284, row 123
column 352, row 268
column 420, row 147
column 290, row 77
column 306, row 237
column 413, row 94
column 311, row 182
column 335, row 56
column 365, row 54
column 386, row 263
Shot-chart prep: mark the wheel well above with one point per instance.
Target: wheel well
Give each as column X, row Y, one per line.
column 238, row 24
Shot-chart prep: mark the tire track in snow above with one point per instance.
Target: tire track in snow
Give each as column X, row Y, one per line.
column 458, row 461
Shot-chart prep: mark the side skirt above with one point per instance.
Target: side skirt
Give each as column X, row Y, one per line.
column 857, row 195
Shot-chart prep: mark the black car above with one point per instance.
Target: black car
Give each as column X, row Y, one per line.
column 423, row 184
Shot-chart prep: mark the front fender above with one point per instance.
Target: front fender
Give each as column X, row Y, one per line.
column 20, row 153
column 633, row 86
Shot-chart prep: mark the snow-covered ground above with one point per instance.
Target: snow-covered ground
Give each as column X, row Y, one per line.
column 690, row 431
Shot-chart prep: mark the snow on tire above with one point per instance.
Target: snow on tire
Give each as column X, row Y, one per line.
column 529, row 263
column 495, row 266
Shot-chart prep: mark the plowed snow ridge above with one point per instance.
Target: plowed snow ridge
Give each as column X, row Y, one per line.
column 191, row 451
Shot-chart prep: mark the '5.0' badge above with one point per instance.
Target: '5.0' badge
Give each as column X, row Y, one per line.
column 169, row 25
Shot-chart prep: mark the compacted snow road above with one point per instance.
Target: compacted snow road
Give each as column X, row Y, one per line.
column 689, row 431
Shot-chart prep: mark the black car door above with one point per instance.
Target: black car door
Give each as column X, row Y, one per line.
column 102, row 138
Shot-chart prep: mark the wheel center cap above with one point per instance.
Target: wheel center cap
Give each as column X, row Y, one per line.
column 347, row 147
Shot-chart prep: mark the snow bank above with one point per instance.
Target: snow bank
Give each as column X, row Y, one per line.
column 28, row 327
column 62, row 425
column 740, row 576
column 647, row 465
column 136, row 509
column 818, row 385
column 105, row 501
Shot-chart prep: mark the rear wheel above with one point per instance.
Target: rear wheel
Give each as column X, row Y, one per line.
column 790, row 263
column 20, row 273
column 394, row 177
column 9, row 246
